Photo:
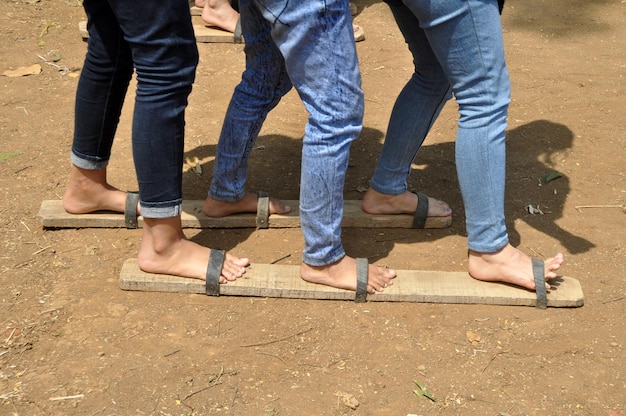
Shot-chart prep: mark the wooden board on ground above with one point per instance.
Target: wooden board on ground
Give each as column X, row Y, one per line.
column 210, row 34
column 82, row 29
column 52, row 215
column 204, row 34
column 283, row 281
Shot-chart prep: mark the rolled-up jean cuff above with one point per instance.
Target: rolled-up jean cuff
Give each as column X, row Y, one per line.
column 491, row 247
column 82, row 163
column 333, row 257
column 161, row 212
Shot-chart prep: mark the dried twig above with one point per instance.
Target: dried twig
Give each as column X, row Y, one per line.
column 171, row 353
column 99, row 411
column 492, row 359
column 271, row 355
column 276, row 340
column 232, row 404
column 25, row 226
column 280, row 258
column 8, row 395
column 200, row 391
column 48, row 311
column 18, row 171
column 578, row 207
column 61, row 68
column 76, row 396
column 10, row 336
column 41, row 250
column 17, row 266
column 212, row 382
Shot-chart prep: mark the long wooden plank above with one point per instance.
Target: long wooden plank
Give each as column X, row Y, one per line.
column 52, row 215
column 203, row 33
column 210, row 34
column 82, row 29
column 279, row 281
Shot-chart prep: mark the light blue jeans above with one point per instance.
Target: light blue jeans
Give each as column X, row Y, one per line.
column 457, row 47
column 308, row 45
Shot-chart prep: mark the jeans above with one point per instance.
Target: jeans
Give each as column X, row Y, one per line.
column 457, row 48
column 308, row 45
column 157, row 40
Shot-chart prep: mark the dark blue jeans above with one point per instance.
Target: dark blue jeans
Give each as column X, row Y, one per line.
column 156, row 39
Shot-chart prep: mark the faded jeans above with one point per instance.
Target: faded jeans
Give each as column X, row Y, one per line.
column 457, row 47
column 156, row 39
column 308, row 45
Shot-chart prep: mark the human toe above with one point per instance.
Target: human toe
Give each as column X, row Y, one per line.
column 277, row 206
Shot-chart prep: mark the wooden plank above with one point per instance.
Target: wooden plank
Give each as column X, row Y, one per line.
column 52, row 215
column 280, row 281
column 82, row 29
column 204, row 34
column 210, row 34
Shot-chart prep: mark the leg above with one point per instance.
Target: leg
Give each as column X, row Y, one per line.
column 317, row 43
column 466, row 37
column 417, row 107
column 100, row 95
column 165, row 250
column 219, row 13
column 165, row 57
column 89, row 191
column 158, row 138
column 510, row 265
column 264, row 83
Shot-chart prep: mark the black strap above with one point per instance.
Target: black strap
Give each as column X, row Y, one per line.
column 238, row 34
column 540, row 284
column 263, row 210
column 130, row 210
column 213, row 272
column 361, row 280
column 421, row 213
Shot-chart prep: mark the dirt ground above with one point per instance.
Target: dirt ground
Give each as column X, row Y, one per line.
column 73, row 343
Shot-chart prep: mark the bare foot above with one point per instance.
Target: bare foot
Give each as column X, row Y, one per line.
column 214, row 208
column 165, row 250
column 510, row 265
column 219, row 13
column 88, row 191
column 342, row 275
column 406, row 203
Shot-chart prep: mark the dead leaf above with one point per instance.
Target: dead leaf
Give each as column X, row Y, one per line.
column 348, row 400
column 194, row 163
column 23, row 71
column 473, row 338
column 551, row 176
